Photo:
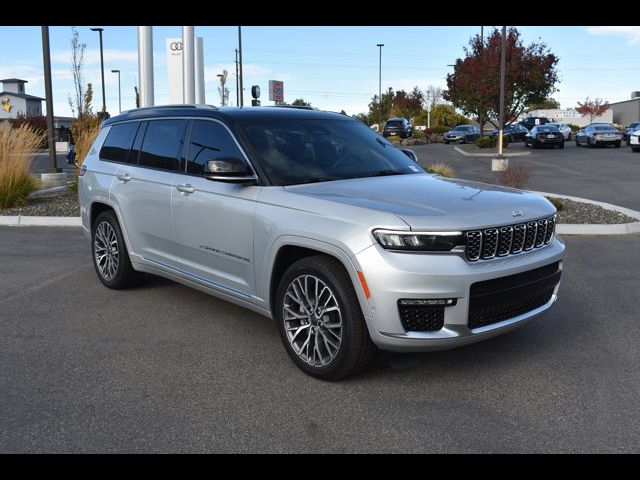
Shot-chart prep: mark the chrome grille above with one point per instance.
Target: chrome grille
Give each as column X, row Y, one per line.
column 509, row 239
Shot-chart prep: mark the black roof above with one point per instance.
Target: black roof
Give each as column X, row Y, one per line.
column 13, row 80
column 225, row 113
column 22, row 95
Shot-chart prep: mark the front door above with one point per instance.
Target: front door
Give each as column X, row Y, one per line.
column 213, row 221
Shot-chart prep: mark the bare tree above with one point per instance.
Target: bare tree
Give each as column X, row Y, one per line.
column 432, row 96
column 77, row 60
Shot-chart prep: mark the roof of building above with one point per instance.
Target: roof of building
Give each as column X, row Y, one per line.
column 625, row 101
column 227, row 113
column 22, row 95
column 13, row 80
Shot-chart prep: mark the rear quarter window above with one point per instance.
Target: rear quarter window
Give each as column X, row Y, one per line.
column 117, row 146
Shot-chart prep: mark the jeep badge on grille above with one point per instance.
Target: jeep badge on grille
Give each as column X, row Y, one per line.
column 517, row 214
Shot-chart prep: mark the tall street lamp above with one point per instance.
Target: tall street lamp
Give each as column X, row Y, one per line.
column 380, row 45
column 104, row 103
column 119, row 93
column 502, row 75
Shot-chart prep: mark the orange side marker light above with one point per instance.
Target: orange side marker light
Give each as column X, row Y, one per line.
column 367, row 293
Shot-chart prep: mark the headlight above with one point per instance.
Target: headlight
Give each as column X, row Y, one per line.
column 418, row 241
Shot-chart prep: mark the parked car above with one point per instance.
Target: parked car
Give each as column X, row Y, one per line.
column 634, row 140
column 565, row 130
column 316, row 221
column 462, row 134
column 531, row 122
column 599, row 134
column 630, row 129
column 544, row 135
column 397, row 126
column 514, row 132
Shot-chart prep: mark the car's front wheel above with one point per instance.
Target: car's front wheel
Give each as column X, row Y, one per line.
column 110, row 256
column 320, row 321
column 617, row 144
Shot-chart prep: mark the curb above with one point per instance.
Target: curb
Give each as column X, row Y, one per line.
column 40, row 221
column 596, row 228
column 508, row 155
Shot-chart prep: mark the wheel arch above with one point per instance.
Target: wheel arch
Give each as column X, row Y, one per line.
column 288, row 250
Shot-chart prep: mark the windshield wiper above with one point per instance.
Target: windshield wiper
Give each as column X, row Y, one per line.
column 384, row 173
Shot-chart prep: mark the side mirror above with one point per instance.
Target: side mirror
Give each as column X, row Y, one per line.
column 410, row 153
column 231, row 170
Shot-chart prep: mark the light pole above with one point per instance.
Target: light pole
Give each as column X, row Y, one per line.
column 223, row 80
column 46, row 59
column 119, row 94
column 502, row 68
column 100, row 30
column 380, row 45
column 237, row 80
column 240, row 63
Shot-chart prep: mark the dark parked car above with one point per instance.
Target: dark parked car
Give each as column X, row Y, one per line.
column 531, row 122
column 599, row 134
column 629, row 130
column 515, row 132
column 462, row 134
column 541, row 135
column 397, row 126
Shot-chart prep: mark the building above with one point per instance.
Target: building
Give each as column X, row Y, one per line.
column 627, row 111
column 14, row 101
column 569, row 115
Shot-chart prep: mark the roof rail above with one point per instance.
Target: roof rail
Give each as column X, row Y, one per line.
column 175, row 105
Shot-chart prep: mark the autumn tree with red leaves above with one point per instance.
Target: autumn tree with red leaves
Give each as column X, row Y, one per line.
column 592, row 108
column 474, row 86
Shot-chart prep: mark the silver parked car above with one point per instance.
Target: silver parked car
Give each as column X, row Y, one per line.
column 316, row 221
column 599, row 134
column 565, row 130
column 462, row 134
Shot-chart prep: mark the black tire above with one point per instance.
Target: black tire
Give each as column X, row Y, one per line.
column 589, row 144
column 617, row 144
column 356, row 350
column 635, row 149
column 534, row 144
column 446, row 143
column 561, row 145
column 124, row 275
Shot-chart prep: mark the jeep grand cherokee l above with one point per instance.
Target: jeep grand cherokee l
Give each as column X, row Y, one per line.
column 316, row 221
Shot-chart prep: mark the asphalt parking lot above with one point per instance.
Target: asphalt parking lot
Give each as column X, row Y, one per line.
column 605, row 174
column 165, row 368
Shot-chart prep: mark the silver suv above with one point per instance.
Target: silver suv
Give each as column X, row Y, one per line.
column 316, row 221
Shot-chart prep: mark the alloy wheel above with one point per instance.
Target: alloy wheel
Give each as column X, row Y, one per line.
column 106, row 251
column 312, row 320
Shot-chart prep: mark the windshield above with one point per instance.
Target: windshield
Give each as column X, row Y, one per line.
column 394, row 123
column 460, row 128
column 316, row 150
column 603, row 127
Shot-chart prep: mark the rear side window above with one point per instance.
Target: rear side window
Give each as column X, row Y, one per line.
column 209, row 141
column 118, row 143
column 162, row 144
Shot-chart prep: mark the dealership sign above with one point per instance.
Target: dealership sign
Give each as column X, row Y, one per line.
column 276, row 91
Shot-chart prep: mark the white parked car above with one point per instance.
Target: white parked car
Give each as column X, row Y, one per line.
column 634, row 140
column 565, row 130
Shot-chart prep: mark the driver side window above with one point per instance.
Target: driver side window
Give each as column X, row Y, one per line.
column 209, row 141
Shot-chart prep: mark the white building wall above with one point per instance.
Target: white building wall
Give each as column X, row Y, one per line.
column 569, row 115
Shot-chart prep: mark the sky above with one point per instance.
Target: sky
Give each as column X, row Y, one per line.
column 335, row 68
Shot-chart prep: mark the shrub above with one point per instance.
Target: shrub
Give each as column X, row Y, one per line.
column 17, row 147
column 491, row 142
column 441, row 169
column 574, row 128
column 418, row 134
column 556, row 202
column 440, row 129
column 84, row 131
column 515, row 176
column 484, row 142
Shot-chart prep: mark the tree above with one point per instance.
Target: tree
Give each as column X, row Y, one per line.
column 592, row 108
column 77, row 61
column 223, row 91
column 474, row 86
column 383, row 107
column 546, row 104
column 445, row 115
column 300, row 102
column 432, row 96
column 407, row 105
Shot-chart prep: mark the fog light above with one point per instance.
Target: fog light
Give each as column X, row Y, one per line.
column 445, row 302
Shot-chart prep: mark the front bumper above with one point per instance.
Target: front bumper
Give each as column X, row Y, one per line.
column 393, row 276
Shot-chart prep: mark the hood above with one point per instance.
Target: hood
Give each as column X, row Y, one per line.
column 425, row 201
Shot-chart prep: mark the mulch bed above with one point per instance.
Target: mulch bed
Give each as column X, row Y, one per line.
column 578, row 212
column 55, row 205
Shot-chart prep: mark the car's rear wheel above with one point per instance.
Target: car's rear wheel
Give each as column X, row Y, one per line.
column 561, row 145
column 534, row 144
column 618, row 143
column 589, row 143
column 635, row 149
column 110, row 256
column 320, row 321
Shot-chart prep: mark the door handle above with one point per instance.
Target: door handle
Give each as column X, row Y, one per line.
column 124, row 177
column 186, row 188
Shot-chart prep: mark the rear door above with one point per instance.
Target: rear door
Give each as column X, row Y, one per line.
column 143, row 186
